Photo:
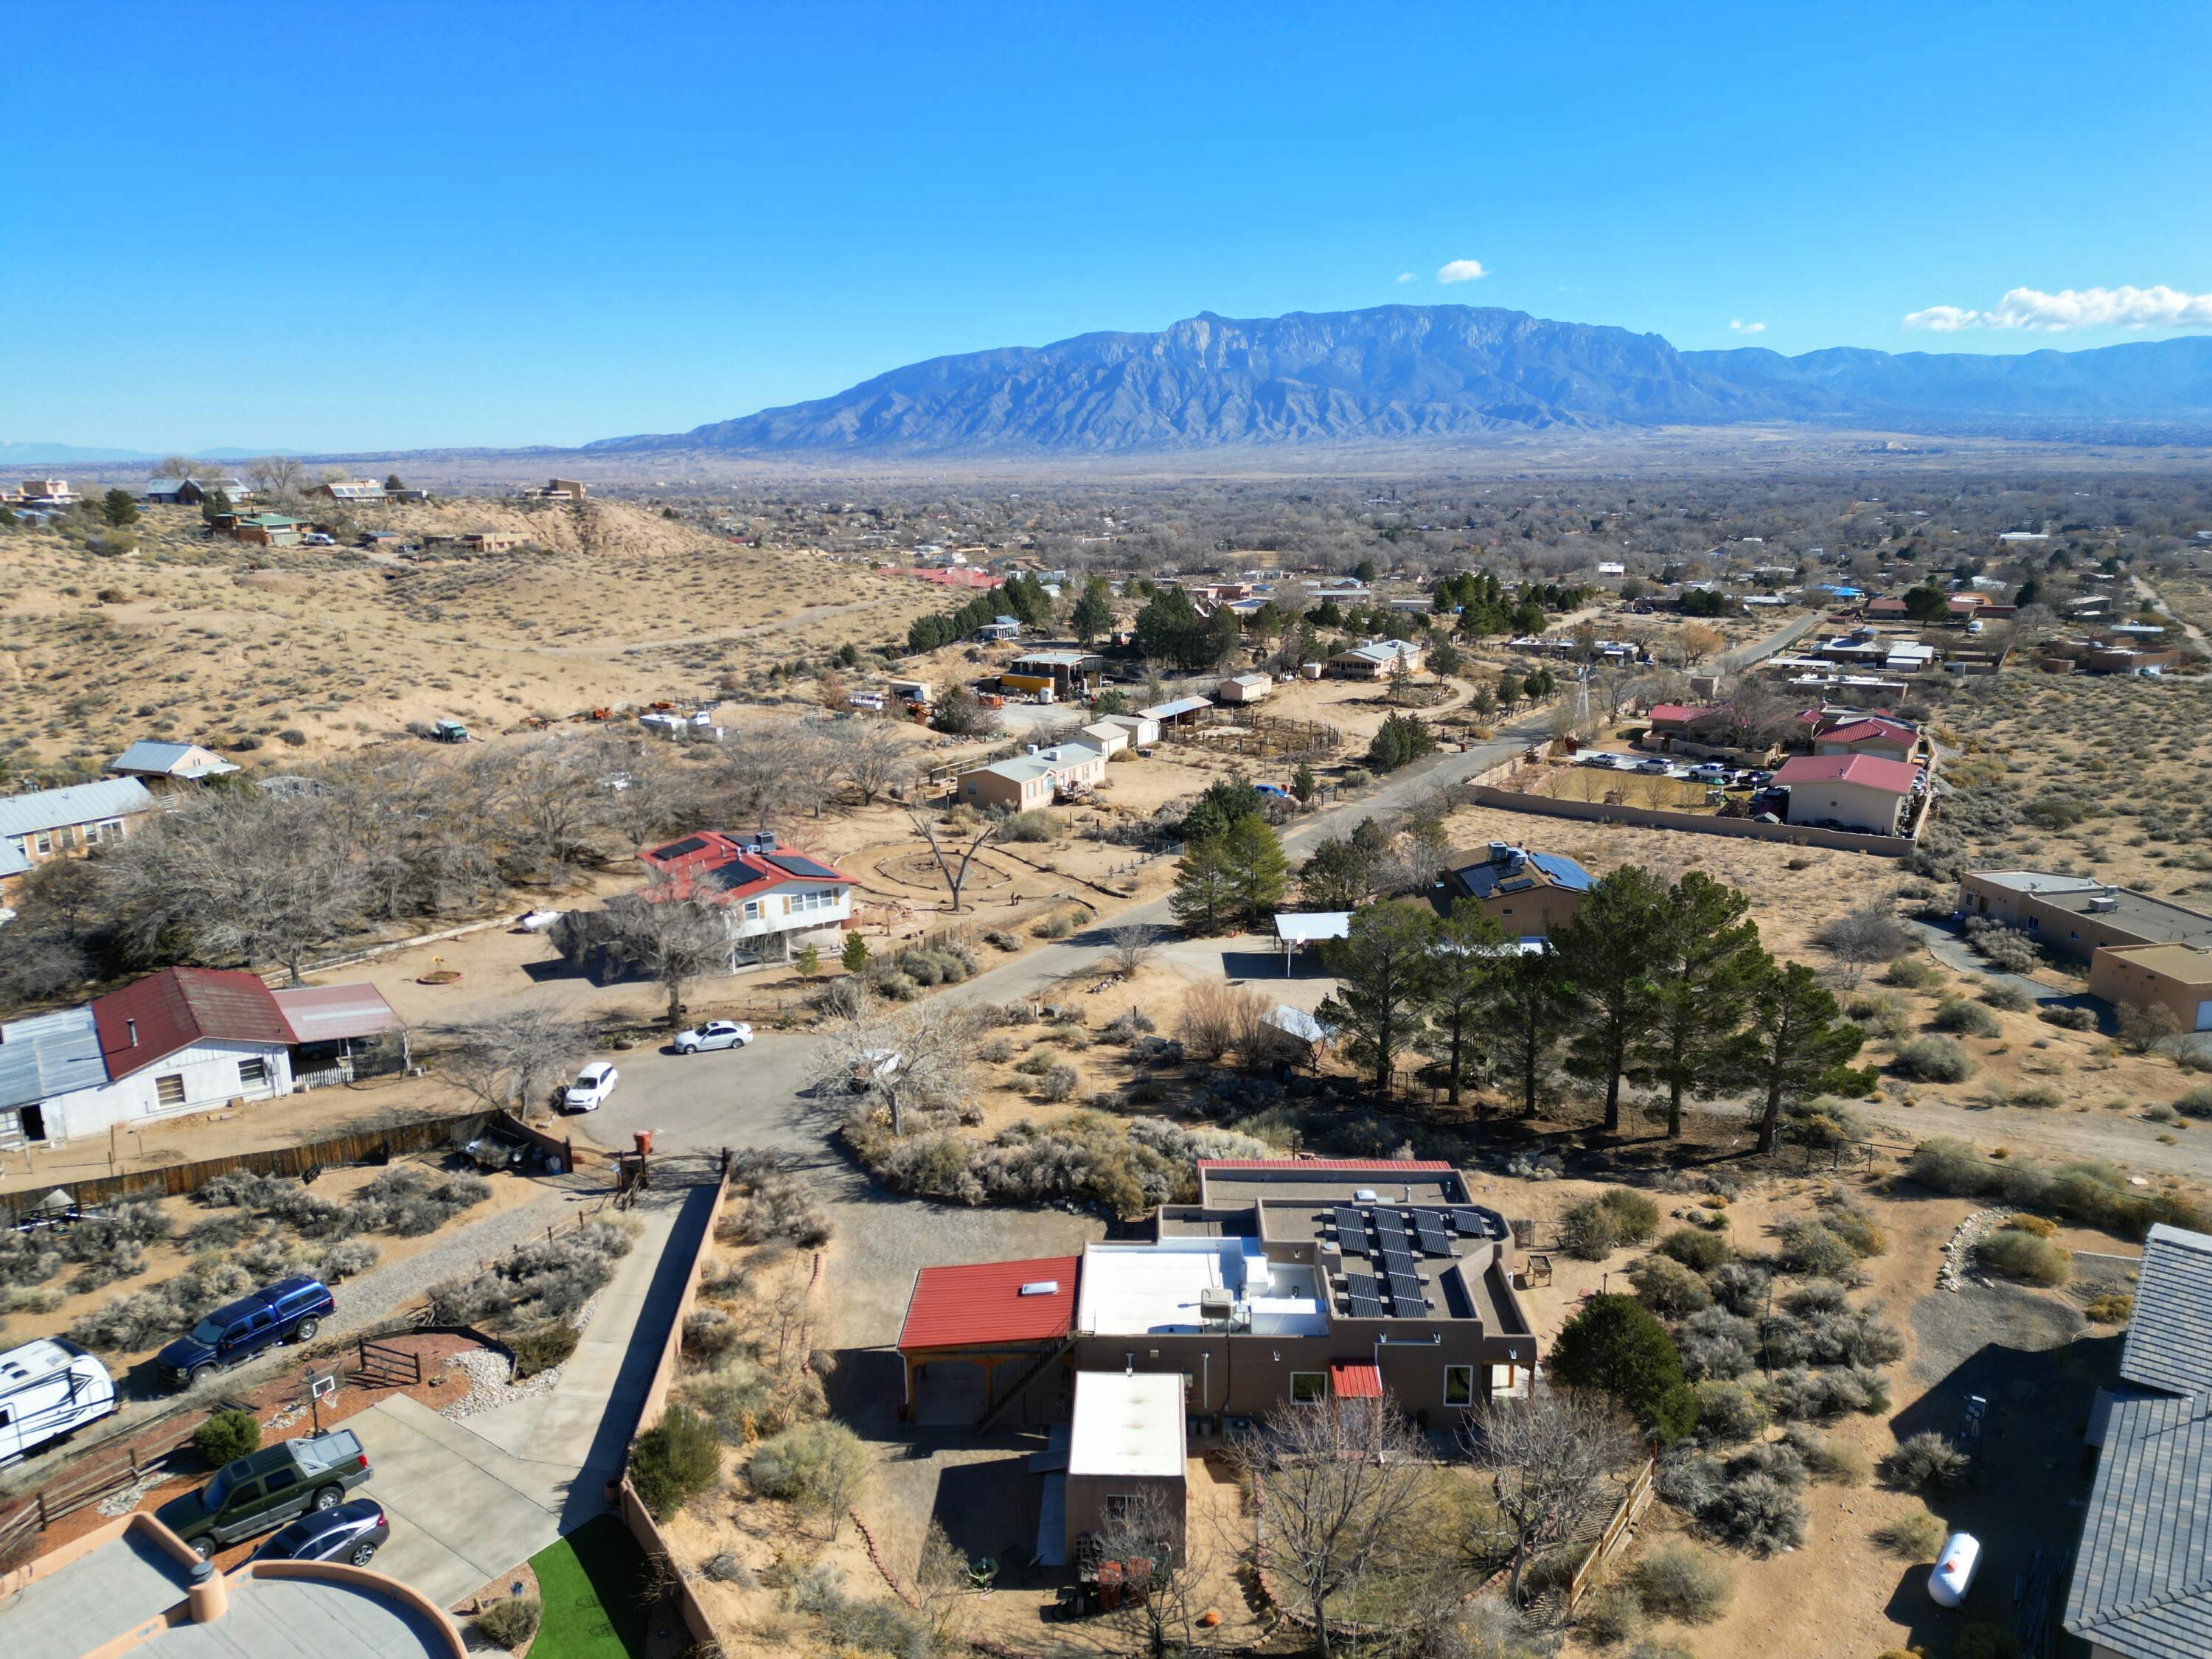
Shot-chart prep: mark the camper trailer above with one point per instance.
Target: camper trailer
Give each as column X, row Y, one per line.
column 49, row 1388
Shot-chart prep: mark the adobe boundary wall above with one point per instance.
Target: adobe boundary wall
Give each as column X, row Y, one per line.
column 635, row 1514
column 1654, row 818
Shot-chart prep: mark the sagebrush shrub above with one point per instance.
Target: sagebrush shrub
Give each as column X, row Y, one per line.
column 1924, row 1460
column 1677, row 1580
column 675, row 1461
column 1935, row 1059
column 509, row 1622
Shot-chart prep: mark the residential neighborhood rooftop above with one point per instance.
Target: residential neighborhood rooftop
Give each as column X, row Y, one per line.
column 75, row 803
column 1896, row 777
column 2144, row 913
column 978, row 1304
column 176, row 760
column 1508, row 869
column 711, row 865
column 1127, row 1423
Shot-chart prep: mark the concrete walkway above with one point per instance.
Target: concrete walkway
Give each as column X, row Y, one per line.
column 470, row 1500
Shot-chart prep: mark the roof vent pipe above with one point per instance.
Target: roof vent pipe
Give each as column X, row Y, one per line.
column 131, row 1026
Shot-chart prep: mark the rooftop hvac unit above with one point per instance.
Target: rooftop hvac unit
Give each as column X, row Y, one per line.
column 2103, row 904
column 1215, row 1303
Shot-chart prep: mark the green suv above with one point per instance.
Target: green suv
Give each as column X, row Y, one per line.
column 263, row 1490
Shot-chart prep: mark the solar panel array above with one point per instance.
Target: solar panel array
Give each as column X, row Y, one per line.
column 1362, row 1291
column 1392, row 1287
column 1433, row 1242
column 1406, row 1297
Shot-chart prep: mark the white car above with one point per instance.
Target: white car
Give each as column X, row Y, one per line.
column 590, row 1089
column 716, row 1034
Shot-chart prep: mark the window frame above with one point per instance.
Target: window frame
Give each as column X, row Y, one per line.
column 1319, row 1397
column 169, row 1088
column 254, row 1071
column 1450, row 1404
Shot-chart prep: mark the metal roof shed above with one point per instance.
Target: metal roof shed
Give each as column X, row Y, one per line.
column 1298, row 928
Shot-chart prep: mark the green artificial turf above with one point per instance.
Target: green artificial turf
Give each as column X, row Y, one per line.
column 591, row 1582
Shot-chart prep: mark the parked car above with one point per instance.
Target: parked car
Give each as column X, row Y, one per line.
column 350, row 1531
column 263, row 1490
column 49, row 1389
column 317, row 539
column 1657, row 767
column 290, row 1311
column 592, row 1087
column 716, row 1034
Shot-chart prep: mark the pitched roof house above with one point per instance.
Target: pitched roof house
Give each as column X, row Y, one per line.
column 2142, row 1575
column 62, row 823
column 1528, row 895
column 1035, row 779
column 188, row 761
column 1377, row 659
column 183, row 1040
column 770, row 894
column 1859, row 792
column 1886, row 738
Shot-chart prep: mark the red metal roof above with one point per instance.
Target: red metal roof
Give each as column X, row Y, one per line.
column 713, row 866
column 152, row 1017
column 1428, row 1165
column 1681, row 714
column 1896, row 777
column 1355, row 1379
column 981, row 1304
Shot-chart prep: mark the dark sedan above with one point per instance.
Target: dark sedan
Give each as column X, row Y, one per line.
column 348, row 1532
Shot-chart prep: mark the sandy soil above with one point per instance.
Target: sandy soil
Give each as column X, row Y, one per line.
column 165, row 1260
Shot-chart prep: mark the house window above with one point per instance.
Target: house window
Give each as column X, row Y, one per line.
column 43, row 842
column 1459, row 1385
column 1307, row 1386
column 752, row 910
column 169, row 1091
column 1118, row 1506
column 253, row 1073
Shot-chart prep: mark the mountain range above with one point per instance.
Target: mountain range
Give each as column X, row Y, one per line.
column 1397, row 374
column 21, row 452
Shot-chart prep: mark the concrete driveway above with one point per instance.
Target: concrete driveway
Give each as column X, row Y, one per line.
column 470, row 1500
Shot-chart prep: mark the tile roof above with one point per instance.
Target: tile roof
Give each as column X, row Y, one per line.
column 2169, row 1343
column 152, row 1018
column 1871, row 731
column 981, row 1304
column 2143, row 1579
column 78, row 803
column 1896, row 777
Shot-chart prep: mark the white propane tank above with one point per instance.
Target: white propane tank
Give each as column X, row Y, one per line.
column 1953, row 1574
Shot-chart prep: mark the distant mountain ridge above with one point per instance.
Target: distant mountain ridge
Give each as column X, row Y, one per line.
column 1400, row 372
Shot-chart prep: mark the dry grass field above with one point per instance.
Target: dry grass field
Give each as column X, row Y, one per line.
column 198, row 638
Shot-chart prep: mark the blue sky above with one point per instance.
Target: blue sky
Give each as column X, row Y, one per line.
column 393, row 226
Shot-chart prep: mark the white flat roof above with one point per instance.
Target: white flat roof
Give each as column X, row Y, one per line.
column 1303, row 927
column 1127, row 1423
column 1145, row 1289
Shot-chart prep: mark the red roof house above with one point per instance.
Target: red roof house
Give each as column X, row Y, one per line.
column 728, row 868
column 150, row 1019
column 1884, row 738
column 1863, row 793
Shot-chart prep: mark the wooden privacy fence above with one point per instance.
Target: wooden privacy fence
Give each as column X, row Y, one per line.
column 349, row 1147
column 352, row 1146
column 1617, row 1531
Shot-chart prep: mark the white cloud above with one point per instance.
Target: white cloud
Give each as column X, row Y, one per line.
column 2125, row 307
column 1461, row 271
column 1404, row 276
column 1737, row 326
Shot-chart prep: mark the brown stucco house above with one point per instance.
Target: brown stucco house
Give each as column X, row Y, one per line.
column 2074, row 916
column 2175, row 977
column 1288, row 1280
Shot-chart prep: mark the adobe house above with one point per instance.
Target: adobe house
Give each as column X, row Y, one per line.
column 1289, row 1279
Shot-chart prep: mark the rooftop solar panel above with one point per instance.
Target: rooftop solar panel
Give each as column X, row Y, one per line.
column 676, row 849
column 1352, row 1243
column 1473, row 1223
column 797, row 864
column 1349, row 1220
column 1387, row 1222
column 1398, row 1262
column 1433, row 1242
column 1358, row 1285
column 1366, row 1307
column 1406, row 1294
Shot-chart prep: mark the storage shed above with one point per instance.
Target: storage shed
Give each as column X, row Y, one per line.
column 1126, row 1444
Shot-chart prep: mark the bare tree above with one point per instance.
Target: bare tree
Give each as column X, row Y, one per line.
column 649, row 789
column 1862, row 938
column 873, row 760
column 1550, row 1458
column 504, row 1058
column 553, row 799
column 276, row 476
column 674, row 937
column 1130, row 946
column 237, row 878
column 901, row 1062
column 1339, row 1485
column 952, row 859
column 1164, row 1619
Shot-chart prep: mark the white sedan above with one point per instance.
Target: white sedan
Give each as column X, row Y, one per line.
column 592, row 1087
column 716, row 1034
